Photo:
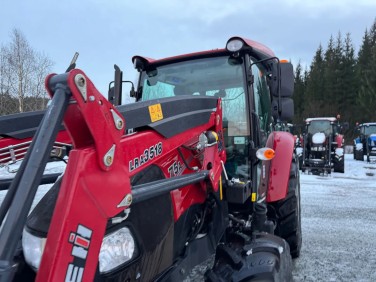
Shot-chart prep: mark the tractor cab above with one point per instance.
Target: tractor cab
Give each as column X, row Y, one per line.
column 254, row 87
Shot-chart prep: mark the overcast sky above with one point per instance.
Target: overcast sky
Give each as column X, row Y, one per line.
column 111, row 32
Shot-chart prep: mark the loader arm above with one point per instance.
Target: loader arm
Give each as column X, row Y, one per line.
column 96, row 183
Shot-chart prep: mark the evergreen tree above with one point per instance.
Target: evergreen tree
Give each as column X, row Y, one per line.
column 347, row 105
column 315, row 86
column 332, row 76
column 339, row 82
column 299, row 95
column 366, row 77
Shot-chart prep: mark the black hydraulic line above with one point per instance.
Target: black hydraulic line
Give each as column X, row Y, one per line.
column 29, row 176
column 46, row 179
column 150, row 190
column 184, row 160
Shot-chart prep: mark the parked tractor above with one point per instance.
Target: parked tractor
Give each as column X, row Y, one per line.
column 365, row 142
column 16, row 132
column 153, row 188
column 323, row 146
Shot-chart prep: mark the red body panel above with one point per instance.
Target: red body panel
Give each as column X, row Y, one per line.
column 254, row 44
column 62, row 137
column 8, row 141
column 92, row 191
column 279, row 173
column 339, row 140
column 12, row 149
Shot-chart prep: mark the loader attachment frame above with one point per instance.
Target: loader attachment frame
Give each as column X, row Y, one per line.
column 96, row 183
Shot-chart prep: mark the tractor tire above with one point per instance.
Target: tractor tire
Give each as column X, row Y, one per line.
column 368, row 158
column 359, row 155
column 286, row 214
column 266, row 258
column 339, row 166
column 300, row 162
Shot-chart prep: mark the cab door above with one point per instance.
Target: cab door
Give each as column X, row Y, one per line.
column 261, row 123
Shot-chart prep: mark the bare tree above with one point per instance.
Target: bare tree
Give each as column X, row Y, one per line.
column 22, row 73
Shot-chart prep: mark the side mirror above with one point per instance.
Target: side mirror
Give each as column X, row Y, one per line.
column 114, row 92
column 111, row 94
column 282, row 73
column 286, row 111
column 273, row 79
column 287, row 79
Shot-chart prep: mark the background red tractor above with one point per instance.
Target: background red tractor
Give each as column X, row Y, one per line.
column 323, row 144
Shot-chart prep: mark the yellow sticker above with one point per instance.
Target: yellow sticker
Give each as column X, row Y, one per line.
column 155, row 112
column 253, row 197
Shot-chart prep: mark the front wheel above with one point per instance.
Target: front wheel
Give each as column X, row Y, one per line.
column 265, row 258
column 359, row 156
column 286, row 214
column 339, row 165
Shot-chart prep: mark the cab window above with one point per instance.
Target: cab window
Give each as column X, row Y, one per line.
column 261, row 97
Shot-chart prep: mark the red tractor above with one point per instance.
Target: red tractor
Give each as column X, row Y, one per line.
column 323, row 144
column 155, row 187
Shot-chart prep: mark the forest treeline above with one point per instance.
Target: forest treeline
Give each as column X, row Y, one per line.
column 339, row 81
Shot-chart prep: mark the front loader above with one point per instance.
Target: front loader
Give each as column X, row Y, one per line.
column 153, row 188
column 323, row 146
column 365, row 141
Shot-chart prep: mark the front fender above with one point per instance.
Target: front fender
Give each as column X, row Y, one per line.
column 371, row 139
column 279, row 172
column 340, row 140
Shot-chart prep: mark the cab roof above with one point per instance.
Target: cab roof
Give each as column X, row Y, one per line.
column 321, row 118
column 258, row 50
column 367, row 123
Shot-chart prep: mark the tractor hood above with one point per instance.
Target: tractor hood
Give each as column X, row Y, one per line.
column 318, row 138
column 372, row 137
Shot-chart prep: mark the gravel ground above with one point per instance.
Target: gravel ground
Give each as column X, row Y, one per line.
column 338, row 225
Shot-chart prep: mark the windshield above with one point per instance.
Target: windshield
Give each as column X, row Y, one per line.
column 219, row 77
column 210, row 77
column 323, row 126
column 370, row 129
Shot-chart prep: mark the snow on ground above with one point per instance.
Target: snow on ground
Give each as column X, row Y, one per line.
column 7, row 172
column 338, row 224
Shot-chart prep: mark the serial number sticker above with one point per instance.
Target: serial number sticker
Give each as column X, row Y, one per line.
column 239, row 140
column 253, row 197
column 148, row 154
column 155, row 112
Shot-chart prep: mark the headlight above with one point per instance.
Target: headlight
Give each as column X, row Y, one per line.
column 33, row 248
column 339, row 151
column 234, row 45
column 318, row 138
column 359, row 146
column 117, row 248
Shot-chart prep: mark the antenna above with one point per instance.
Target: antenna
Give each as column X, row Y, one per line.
column 72, row 64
